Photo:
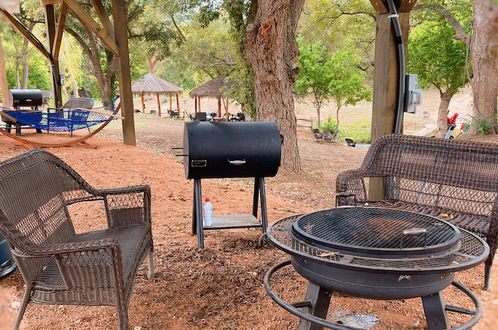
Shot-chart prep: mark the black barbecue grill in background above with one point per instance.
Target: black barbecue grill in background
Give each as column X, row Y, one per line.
column 26, row 100
column 231, row 150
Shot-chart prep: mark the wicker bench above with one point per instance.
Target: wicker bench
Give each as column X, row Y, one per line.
column 456, row 181
column 59, row 266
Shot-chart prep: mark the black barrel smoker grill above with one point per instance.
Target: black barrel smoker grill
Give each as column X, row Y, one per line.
column 27, row 100
column 231, row 150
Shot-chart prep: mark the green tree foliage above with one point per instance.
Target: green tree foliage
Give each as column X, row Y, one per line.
column 315, row 74
column 327, row 76
column 439, row 60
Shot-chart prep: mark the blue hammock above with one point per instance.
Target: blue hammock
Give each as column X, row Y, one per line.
column 61, row 121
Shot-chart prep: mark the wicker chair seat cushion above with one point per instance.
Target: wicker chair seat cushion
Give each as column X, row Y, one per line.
column 130, row 240
column 471, row 222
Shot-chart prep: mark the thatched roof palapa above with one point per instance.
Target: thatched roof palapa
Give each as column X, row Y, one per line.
column 151, row 83
column 213, row 88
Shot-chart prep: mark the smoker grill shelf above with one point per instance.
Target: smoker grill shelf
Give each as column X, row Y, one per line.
column 471, row 252
column 234, row 221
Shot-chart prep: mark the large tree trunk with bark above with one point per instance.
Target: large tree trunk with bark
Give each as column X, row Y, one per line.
column 484, row 59
column 442, row 114
column 4, row 85
column 271, row 48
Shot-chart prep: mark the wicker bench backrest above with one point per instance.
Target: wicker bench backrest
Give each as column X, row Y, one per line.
column 454, row 175
column 35, row 189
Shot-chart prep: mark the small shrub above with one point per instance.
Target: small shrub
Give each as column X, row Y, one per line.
column 483, row 126
column 330, row 126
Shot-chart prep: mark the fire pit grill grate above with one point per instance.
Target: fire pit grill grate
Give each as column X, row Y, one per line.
column 375, row 229
column 470, row 249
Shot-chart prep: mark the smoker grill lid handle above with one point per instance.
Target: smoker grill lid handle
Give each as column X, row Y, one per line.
column 237, row 162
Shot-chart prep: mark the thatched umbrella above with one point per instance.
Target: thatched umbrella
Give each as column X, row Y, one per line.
column 215, row 88
column 152, row 84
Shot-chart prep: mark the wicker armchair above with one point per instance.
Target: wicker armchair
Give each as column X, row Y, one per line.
column 456, row 181
column 58, row 265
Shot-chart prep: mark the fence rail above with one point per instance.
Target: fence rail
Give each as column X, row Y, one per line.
column 307, row 123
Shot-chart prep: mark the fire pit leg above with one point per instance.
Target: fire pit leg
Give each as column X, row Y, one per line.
column 435, row 313
column 319, row 299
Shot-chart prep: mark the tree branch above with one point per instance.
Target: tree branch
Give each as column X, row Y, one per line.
column 180, row 33
column 460, row 33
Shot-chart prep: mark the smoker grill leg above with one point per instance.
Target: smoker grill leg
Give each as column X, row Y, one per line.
column 255, row 198
column 264, row 215
column 8, row 127
column 194, row 213
column 435, row 314
column 319, row 299
column 198, row 213
column 18, row 129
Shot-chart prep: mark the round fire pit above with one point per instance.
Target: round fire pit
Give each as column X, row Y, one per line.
column 377, row 253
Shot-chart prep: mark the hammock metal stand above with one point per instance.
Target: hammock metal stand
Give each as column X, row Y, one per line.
column 72, row 142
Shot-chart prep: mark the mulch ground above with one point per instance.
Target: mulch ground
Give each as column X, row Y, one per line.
column 221, row 286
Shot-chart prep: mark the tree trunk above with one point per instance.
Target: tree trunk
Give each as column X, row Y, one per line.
column 4, row 85
column 442, row 114
column 271, row 48
column 484, row 61
column 337, row 121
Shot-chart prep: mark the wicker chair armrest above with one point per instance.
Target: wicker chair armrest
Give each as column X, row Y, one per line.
column 126, row 205
column 47, row 250
column 123, row 190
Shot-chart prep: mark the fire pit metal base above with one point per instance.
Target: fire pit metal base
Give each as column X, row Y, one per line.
column 318, row 298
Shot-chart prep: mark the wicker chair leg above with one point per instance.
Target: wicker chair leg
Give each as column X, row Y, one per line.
column 487, row 274
column 122, row 309
column 22, row 309
column 150, row 273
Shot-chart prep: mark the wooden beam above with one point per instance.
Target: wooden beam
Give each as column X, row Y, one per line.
column 104, row 18
column 50, row 2
column 385, row 86
column 121, row 35
column 85, row 18
column 379, row 6
column 226, row 110
column 199, row 101
column 195, row 104
column 50, row 23
column 26, row 33
column 178, row 105
column 61, row 21
column 170, row 102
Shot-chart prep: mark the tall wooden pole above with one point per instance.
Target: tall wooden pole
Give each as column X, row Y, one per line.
column 143, row 102
column 195, row 104
column 178, row 105
column 386, row 72
column 170, row 102
column 158, row 104
column 219, row 107
column 121, row 35
column 226, row 110
column 50, row 23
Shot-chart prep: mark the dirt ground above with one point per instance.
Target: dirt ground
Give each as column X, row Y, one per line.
column 219, row 287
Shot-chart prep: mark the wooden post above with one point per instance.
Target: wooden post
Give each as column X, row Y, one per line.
column 385, row 91
column 170, row 102
column 226, row 109
column 195, row 104
column 121, row 34
column 199, row 101
column 219, row 107
column 158, row 104
column 50, row 23
column 178, row 105
column 143, row 102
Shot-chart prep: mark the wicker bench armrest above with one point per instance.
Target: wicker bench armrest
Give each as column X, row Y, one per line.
column 350, row 187
column 123, row 190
